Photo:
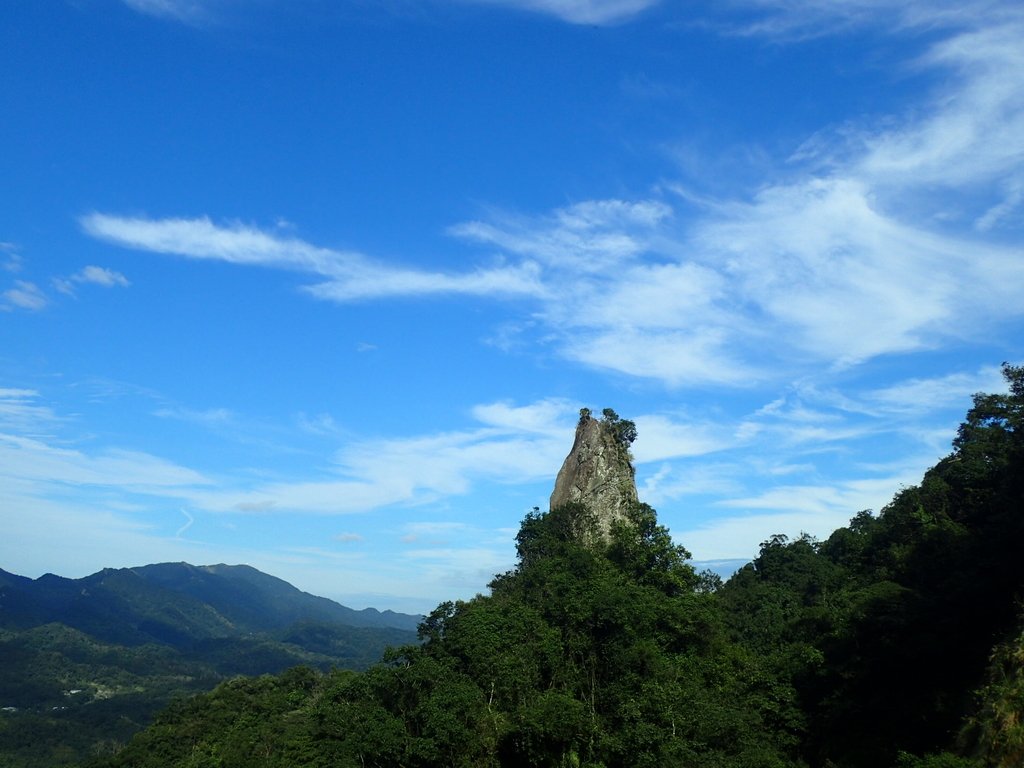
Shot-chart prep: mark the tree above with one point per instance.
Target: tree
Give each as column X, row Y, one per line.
column 623, row 429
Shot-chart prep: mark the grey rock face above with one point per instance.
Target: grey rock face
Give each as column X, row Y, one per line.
column 597, row 472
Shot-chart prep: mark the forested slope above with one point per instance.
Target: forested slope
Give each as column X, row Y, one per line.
column 896, row 642
column 85, row 663
column 887, row 627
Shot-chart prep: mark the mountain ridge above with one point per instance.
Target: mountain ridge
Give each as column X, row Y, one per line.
column 89, row 661
column 173, row 602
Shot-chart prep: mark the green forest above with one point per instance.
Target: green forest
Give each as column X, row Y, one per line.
column 895, row 642
column 86, row 663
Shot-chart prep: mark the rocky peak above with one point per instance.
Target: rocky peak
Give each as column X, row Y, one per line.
column 598, row 471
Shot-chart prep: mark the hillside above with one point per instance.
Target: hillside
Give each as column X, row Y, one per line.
column 87, row 662
column 175, row 604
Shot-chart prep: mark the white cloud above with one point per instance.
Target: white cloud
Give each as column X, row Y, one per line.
column 12, row 261
column 857, row 253
column 17, row 394
column 794, row 411
column 101, row 276
column 581, row 11
column 868, row 247
column 21, row 412
column 739, row 537
column 814, row 257
column 24, row 295
column 438, row 534
column 24, row 458
column 812, row 18
column 972, row 131
column 93, row 275
column 200, row 238
column 34, row 456
column 926, row 395
column 208, row 417
column 514, row 445
column 789, row 274
column 372, row 474
column 544, row 416
column 598, row 12
column 321, row 424
column 677, row 358
column 1002, row 210
column 895, row 406
column 465, row 569
column 660, row 438
column 638, row 299
column 179, row 10
column 840, row 498
column 672, row 481
column 378, row 283
column 588, row 237
column 792, row 510
column 350, row 276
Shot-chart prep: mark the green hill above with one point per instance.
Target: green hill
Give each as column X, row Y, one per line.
column 175, row 604
column 88, row 662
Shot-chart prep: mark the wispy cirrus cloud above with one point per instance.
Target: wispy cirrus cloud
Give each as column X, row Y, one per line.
column 100, row 505
column 101, row 276
column 929, row 394
column 806, row 505
column 10, row 259
column 593, row 12
column 807, row 461
column 177, row 10
column 588, row 237
column 38, row 464
column 350, row 276
column 21, row 411
column 200, row 238
column 363, row 475
column 348, row 537
column 597, row 12
column 798, row 19
column 27, row 295
column 787, row 275
column 867, row 245
column 90, row 275
column 524, row 444
column 208, row 417
column 966, row 136
column 26, row 458
column 874, row 241
column 31, row 452
column 509, row 443
column 23, row 295
column 806, row 259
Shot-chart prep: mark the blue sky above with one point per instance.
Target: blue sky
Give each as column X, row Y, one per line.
column 321, row 286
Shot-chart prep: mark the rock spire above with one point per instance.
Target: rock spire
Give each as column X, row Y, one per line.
column 598, row 471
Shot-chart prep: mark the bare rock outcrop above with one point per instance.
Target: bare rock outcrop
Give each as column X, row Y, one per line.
column 598, row 471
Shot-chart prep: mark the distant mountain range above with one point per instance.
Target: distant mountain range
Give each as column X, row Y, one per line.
column 176, row 604
column 87, row 662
